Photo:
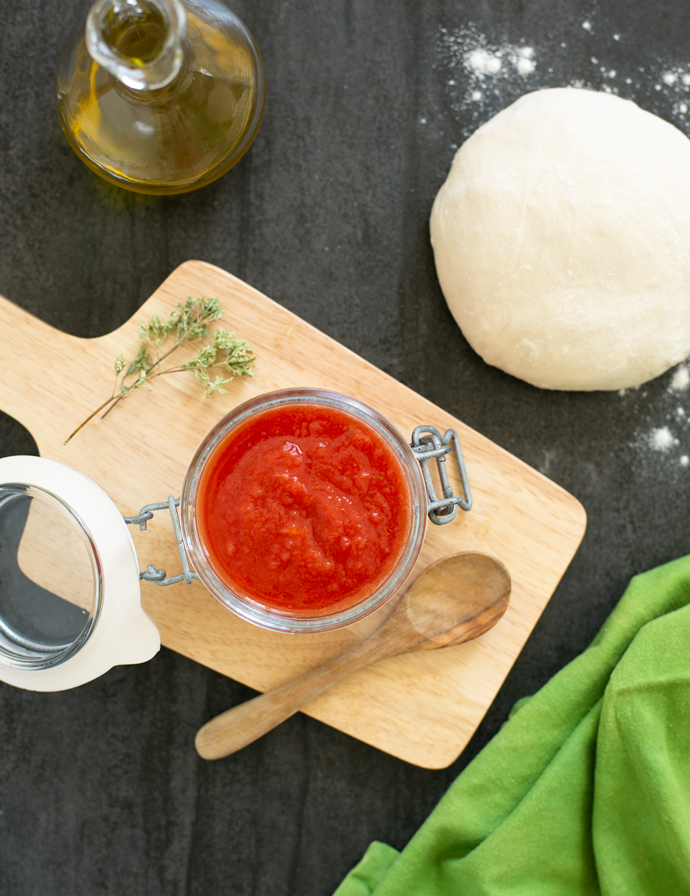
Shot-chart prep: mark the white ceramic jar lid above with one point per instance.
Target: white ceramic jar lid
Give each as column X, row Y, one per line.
column 54, row 520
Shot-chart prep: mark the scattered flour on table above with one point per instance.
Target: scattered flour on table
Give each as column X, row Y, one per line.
column 480, row 72
column 668, row 420
column 485, row 76
column 483, row 62
column 680, row 380
column 662, row 439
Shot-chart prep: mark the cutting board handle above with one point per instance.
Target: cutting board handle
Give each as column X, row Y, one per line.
column 36, row 362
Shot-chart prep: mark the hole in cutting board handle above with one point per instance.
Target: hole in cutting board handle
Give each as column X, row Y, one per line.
column 14, row 438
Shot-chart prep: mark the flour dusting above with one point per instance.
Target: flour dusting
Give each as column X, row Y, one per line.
column 662, row 439
column 484, row 62
column 485, row 76
column 482, row 72
column 680, row 380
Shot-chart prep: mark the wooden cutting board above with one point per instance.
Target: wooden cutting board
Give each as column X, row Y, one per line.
column 423, row 707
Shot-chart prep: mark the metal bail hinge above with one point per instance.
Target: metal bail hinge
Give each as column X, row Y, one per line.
column 428, row 444
column 158, row 576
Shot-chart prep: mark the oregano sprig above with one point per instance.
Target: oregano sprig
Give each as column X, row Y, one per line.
column 224, row 355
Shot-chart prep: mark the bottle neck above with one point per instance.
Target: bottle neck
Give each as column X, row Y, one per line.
column 138, row 41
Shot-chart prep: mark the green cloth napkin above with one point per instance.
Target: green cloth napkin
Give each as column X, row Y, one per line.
column 585, row 789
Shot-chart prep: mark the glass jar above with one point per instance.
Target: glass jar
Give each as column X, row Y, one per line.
column 160, row 96
column 321, row 546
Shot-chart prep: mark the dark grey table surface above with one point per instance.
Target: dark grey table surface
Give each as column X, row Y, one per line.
column 101, row 790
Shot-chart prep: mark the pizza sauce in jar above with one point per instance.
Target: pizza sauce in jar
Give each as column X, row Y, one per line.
column 303, row 509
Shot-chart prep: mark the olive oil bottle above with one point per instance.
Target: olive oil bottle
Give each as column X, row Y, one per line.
column 160, row 96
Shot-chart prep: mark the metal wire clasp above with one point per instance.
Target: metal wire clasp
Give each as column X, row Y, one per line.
column 158, row 576
column 428, row 444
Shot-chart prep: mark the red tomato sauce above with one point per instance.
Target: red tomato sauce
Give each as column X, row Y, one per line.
column 304, row 509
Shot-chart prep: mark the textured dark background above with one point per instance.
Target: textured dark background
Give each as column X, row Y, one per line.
column 101, row 791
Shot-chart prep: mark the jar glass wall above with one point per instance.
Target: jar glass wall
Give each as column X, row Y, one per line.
column 265, row 612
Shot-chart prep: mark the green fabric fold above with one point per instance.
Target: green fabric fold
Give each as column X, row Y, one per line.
column 585, row 789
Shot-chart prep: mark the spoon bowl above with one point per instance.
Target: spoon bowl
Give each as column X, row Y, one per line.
column 455, row 599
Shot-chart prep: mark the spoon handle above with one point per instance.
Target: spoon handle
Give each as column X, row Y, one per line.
column 243, row 724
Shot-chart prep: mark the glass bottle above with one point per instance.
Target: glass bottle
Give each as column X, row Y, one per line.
column 160, row 96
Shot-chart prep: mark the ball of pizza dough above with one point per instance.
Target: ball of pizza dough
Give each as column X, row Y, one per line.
column 562, row 241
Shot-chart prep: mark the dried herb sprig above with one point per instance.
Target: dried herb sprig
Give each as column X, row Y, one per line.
column 225, row 355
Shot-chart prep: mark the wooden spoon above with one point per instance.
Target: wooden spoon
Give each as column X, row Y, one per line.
column 453, row 600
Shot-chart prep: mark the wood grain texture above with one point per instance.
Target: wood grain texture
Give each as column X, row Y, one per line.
column 422, row 707
column 454, row 600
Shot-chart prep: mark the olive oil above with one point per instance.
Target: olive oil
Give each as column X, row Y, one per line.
column 157, row 108
column 138, row 36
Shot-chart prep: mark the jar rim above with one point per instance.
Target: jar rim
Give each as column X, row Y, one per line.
column 39, row 652
column 248, row 608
